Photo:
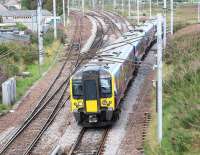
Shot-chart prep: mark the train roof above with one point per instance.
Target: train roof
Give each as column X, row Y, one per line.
column 110, row 58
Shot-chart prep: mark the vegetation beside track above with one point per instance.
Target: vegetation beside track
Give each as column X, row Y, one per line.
column 24, row 58
column 181, row 109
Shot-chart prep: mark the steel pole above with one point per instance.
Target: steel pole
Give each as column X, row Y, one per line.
column 198, row 12
column 40, row 35
column 83, row 6
column 64, row 13
column 159, row 76
column 122, row 6
column 93, row 4
column 68, row 9
column 172, row 17
column 114, row 5
column 150, row 8
column 138, row 12
column 165, row 23
column 102, row 5
column 129, row 8
column 54, row 19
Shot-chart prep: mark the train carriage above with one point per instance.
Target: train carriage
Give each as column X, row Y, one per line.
column 97, row 88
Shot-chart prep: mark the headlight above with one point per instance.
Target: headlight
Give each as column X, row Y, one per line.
column 78, row 104
column 104, row 102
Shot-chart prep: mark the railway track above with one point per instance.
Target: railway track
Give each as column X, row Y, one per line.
column 90, row 141
column 111, row 27
column 119, row 19
column 27, row 135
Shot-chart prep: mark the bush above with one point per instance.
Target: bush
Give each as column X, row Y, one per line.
column 33, row 38
column 29, row 57
column 29, row 54
column 21, row 26
column 12, row 69
column 180, row 140
column 3, row 48
column 48, row 37
column 19, row 55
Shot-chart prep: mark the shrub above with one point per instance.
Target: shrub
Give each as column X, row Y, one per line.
column 30, row 55
column 21, row 26
column 12, row 69
column 180, row 140
column 33, row 38
column 48, row 37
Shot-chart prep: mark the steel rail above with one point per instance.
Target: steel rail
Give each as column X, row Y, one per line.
column 80, row 136
column 100, row 35
column 123, row 19
column 105, row 134
column 111, row 26
column 107, row 16
column 100, row 143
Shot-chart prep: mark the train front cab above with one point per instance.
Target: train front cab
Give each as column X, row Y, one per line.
column 92, row 98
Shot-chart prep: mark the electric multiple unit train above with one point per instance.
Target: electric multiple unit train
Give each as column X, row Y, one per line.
column 97, row 88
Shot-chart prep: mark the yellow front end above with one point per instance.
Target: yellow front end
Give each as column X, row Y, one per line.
column 91, row 106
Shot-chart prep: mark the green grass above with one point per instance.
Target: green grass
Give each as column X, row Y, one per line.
column 181, row 109
column 23, row 84
column 4, row 108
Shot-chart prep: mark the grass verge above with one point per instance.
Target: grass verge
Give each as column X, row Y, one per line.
column 181, row 109
column 23, row 84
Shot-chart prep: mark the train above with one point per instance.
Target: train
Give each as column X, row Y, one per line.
column 97, row 88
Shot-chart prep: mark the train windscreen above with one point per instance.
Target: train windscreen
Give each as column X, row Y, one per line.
column 77, row 89
column 105, row 87
column 90, row 90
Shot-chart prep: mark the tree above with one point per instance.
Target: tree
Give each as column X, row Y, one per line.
column 47, row 4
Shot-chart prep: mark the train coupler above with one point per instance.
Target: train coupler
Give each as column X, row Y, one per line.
column 93, row 119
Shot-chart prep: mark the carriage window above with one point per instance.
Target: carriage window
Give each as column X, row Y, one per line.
column 106, row 89
column 77, row 89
